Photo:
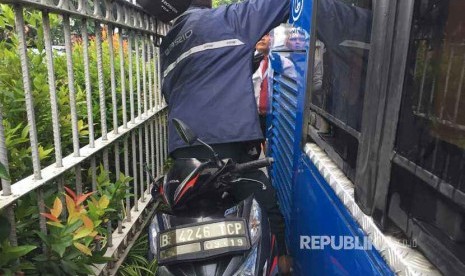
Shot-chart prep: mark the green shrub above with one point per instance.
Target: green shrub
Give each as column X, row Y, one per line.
column 136, row 263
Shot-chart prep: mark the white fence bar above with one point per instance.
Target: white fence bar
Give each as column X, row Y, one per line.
column 93, row 171
column 163, row 142
column 144, row 72
column 131, row 81
column 78, row 174
column 101, row 84
column 165, row 137
column 61, row 191
column 156, row 87
column 6, row 184
column 42, row 222
column 134, row 169
column 123, row 77
column 9, row 211
column 72, row 92
column 152, row 149
column 147, row 157
column 126, row 172
column 139, row 103
column 117, row 161
column 141, row 165
column 85, row 52
column 110, row 235
column 159, row 99
column 149, row 72
column 112, row 79
column 106, row 163
column 19, row 21
column 10, row 214
column 158, row 144
column 52, row 88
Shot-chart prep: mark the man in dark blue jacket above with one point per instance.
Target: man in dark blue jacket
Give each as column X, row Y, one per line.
column 207, row 71
column 206, row 62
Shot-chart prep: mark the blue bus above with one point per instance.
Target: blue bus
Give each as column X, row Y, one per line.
column 367, row 130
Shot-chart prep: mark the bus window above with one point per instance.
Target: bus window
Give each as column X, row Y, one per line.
column 428, row 175
column 342, row 45
column 431, row 129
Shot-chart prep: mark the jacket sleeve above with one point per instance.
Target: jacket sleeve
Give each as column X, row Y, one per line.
column 252, row 19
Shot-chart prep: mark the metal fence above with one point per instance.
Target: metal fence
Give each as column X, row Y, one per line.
column 137, row 115
column 441, row 79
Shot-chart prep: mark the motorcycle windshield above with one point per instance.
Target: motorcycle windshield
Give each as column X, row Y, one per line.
column 181, row 179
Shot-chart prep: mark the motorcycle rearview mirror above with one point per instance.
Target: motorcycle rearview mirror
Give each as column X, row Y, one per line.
column 189, row 137
column 165, row 10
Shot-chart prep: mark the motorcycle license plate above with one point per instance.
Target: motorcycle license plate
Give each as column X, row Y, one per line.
column 200, row 241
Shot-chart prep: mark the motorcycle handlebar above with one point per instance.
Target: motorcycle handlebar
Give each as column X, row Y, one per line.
column 253, row 165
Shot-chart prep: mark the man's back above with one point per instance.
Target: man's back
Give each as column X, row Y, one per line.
column 207, row 69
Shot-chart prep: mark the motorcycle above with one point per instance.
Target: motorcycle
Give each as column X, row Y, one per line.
column 202, row 229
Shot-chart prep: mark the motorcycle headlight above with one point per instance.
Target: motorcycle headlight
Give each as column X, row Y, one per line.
column 255, row 219
column 248, row 267
column 153, row 232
